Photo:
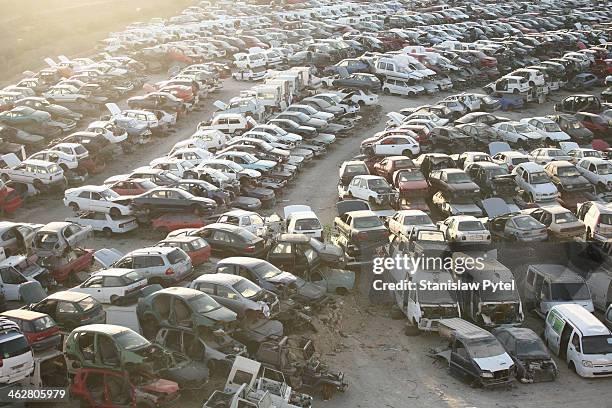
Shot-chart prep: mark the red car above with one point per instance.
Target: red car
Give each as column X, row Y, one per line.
column 63, row 269
column 182, row 92
column 170, row 222
column 100, row 388
column 389, row 165
column 598, row 124
column 133, row 186
column 10, row 200
column 413, row 189
column 40, row 329
column 196, row 247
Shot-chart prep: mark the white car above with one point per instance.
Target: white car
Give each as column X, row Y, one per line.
column 249, row 220
column 535, row 183
column 432, row 117
column 402, row 87
column 64, row 160
column 144, row 117
column 465, row 229
column 362, row 97
column 598, row 172
column 511, row 159
column 179, row 167
column 405, row 221
column 517, row 133
column 228, row 123
column 112, row 285
column 393, row 145
column 105, row 222
column 545, row 155
column 73, row 149
column 97, row 198
column 301, row 219
column 38, row 173
column 548, row 128
column 109, row 130
column 193, row 155
column 374, row 189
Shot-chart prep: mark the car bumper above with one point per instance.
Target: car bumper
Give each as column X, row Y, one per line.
column 17, row 375
column 594, row 372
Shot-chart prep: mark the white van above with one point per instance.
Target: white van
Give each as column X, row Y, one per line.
column 579, row 338
column 301, row 219
column 17, row 359
column 597, row 218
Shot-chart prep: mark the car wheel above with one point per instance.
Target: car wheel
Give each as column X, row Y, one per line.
column 369, row 151
column 197, row 210
column 589, row 234
column 372, row 202
column 107, row 232
column 342, row 291
column 38, row 185
column 407, row 153
column 4, row 177
column 600, row 188
column 74, row 207
column 386, row 91
column 515, row 91
column 114, row 299
column 114, row 212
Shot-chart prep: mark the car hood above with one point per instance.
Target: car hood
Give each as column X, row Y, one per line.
column 250, row 173
column 495, row 363
column 531, row 135
column 283, row 277
column 413, row 185
column 544, row 188
column 311, row 291
column 331, row 252
column 463, row 187
column 495, row 206
column 574, row 181
column 222, row 314
column 465, row 209
column 107, row 256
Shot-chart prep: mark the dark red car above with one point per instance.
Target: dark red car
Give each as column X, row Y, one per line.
column 10, row 200
column 133, row 186
column 413, row 189
column 40, row 329
column 182, row 92
column 101, row 388
column 65, row 268
column 170, row 222
column 196, row 247
column 598, row 124
column 389, row 165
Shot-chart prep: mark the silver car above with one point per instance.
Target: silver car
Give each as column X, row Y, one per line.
column 238, row 294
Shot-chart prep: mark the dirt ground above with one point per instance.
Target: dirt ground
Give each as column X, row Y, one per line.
column 383, row 366
column 33, row 29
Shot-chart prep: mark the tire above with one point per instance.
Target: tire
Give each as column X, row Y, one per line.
column 4, row 177
column 372, row 202
column 74, row 207
column 407, row 153
column 516, row 91
column 386, row 91
column 369, row 151
column 38, row 185
column 114, row 299
column 107, row 232
column 589, row 234
column 572, row 367
column 114, row 212
column 342, row 291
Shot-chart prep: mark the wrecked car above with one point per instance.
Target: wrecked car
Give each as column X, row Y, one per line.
column 70, row 309
column 359, row 228
column 532, row 360
column 56, row 238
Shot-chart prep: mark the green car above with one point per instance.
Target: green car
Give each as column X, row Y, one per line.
column 181, row 307
column 111, row 346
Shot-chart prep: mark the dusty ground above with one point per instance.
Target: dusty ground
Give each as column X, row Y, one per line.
column 383, row 366
column 33, row 29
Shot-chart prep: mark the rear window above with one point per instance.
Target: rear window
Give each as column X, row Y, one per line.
column 176, row 256
column 87, row 304
column 198, row 244
column 132, row 277
column 16, row 346
column 367, row 222
column 42, row 324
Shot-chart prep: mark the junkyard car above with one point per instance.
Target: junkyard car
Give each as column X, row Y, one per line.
column 56, row 238
column 71, row 309
column 359, row 228
column 112, row 286
column 40, row 329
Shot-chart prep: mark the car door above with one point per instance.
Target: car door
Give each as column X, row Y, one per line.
column 552, row 332
column 281, row 255
column 386, row 146
column 68, row 314
column 93, row 287
column 220, row 241
column 228, row 297
column 98, row 203
column 75, row 234
column 11, row 281
column 460, row 362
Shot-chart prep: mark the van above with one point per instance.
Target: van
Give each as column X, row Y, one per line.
column 600, row 285
column 17, row 358
column 548, row 285
column 580, row 339
column 597, row 218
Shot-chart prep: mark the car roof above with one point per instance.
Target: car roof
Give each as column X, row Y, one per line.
column 180, row 291
column 68, row 296
column 23, row 314
column 558, row 273
column 242, row 260
column 114, row 272
column 519, row 333
column 369, row 177
column 182, row 238
column 88, row 188
column 154, row 250
column 555, row 209
column 582, row 319
column 55, row 226
column 109, row 329
column 531, row 166
column 224, row 278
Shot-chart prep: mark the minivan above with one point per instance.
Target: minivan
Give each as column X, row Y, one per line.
column 17, row 359
column 579, row 338
column 548, row 285
column 597, row 218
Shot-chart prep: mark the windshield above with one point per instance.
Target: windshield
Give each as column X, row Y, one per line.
column 367, row 222
column 604, row 169
column 417, row 220
column 80, row 149
column 522, row 128
column 377, row 183
column 527, row 222
column 497, row 171
column 46, row 241
column 266, row 270
column 203, row 304
column 130, row 340
column 108, row 194
column 484, row 347
column 431, row 236
column 551, row 127
column 567, row 171
column 413, row 175
column 132, row 277
column 246, row 288
column 569, row 291
column 356, row 169
column 470, row 226
column 43, row 323
column 198, row 244
column 458, row 178
column 597, row 345
column 531, row 348
column 565, row 218
column 539, row 178
column 87, row 304
column 307, row 224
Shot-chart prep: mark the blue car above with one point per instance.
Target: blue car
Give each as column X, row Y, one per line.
column 582, row 82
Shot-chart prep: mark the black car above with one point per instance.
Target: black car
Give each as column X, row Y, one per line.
column 71, row 309
column 157, row 100
column 359, row 81
column 493, row 179
column 168, row 199
column 201, row 188
column 452, row 183
column 230, row 239
column 573, row 127
column 529, row 354
column 449, row 139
